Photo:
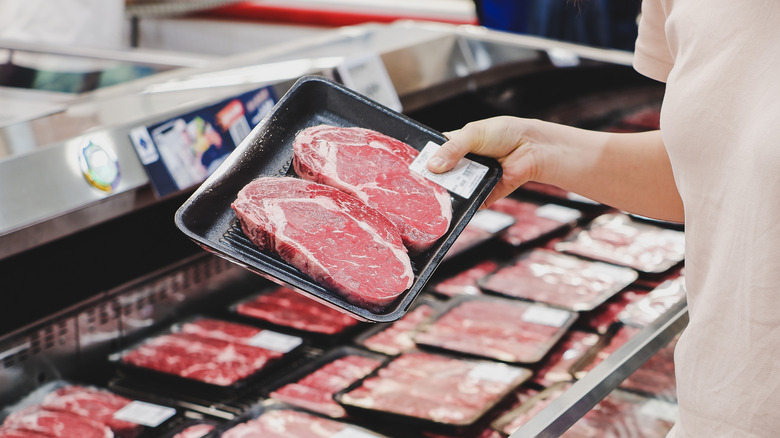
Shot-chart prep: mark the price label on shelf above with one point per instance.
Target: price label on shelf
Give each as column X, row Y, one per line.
column 366, row 74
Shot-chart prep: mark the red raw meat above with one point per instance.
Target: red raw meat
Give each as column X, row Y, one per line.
column 315, row 391
column 195, row 431
column 616, row 238
column 287, row 424
column 224, row 330
column 285, row 307
column 97, row 404
column 557, row 366
column 560, row 280
column 465, row 282
column 398, row 337
column 374, row 168
column 8, row 432
column 56, row 424
column 213, row 361
column 470, row 236
column 330, row 236
column 434, row 387
column 494, row 329
column 528, row 224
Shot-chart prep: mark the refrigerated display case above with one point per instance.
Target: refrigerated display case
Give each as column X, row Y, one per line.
column 92, row 262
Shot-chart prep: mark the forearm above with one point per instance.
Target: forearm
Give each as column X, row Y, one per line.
column 629, row 171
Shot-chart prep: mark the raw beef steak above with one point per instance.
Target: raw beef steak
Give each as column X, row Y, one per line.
column 285, row 307
column 375, row 168
column 288, row 423
column 330, row 236
column 97, row 404
column 56, row 424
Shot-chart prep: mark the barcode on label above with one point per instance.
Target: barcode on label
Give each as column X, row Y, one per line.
column 462, row 180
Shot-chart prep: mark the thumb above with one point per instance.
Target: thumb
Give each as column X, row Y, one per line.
column 447, row 156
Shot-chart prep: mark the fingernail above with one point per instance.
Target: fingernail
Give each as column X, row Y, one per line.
column 436, row 162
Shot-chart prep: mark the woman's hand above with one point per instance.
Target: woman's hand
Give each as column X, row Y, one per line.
column 518, row 144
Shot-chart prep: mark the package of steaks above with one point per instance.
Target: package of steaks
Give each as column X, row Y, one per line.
column 619, row 239
column 432, row 391
column 313, row 385
column 485, row 227
column 330, row 197
column 507, row 330
column 396, row 337
column 208, row 356
column 85, row 411
column 534, row 221
column 274, row 419
column 282, row 309
column 559, row 280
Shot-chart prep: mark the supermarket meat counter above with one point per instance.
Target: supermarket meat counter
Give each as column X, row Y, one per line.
column 549, row 314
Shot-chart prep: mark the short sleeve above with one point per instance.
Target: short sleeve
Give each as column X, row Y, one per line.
column 652, row 56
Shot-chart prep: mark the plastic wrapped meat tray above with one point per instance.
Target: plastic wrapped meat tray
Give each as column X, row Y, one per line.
column 437, row 392
column 209, row 355
column 83, row 410
column 313, row 385
column 485, row 226
column 559, row 280
column 466, row 282
column 534, row 221
column 207, row 218
column 398, row 336
column 280, row 308
column 271, row 419
column 618, row 239
column 496, row 328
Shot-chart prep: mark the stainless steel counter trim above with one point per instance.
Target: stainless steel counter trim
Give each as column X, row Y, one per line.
column 563, row 412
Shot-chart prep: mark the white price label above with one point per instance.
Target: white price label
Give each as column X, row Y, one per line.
column 491, row 221
column 558, row 213
column 463, row 179
column 366, row 74
column 660, row 409
column 546, row 316
column 143, row 413
column 351, row 432
column 275, row 341
column 495, row 372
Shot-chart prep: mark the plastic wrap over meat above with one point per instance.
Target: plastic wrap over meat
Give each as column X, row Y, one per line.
column 647, row 309
column 97, row 404
column 466, row 281
column 570, row 351
column 435, row 388
column 533, row 220
column 607, row 314
column 56, row 424
column 618, row 239
column 559, row 280
column 530, row 404
column 288, row 423
column 398, row 337
column 216, row 352
column 625, row 415
column 315, row 391
column 195, row 431
column 506, row 330
column 285, row 307
column 655, row 377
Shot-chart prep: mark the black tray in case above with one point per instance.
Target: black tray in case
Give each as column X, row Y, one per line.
column 207, row 218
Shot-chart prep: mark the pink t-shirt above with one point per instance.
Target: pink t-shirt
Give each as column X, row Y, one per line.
column 720, row 123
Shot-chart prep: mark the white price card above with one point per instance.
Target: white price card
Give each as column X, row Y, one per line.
column 275, row 341
column 491, row 221
column 463, row 179
column 546, row 316
column 145, row 414
column 495, row 372
column 367, row 74
column 558, row 213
